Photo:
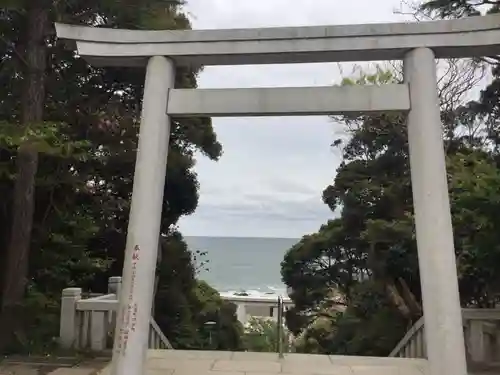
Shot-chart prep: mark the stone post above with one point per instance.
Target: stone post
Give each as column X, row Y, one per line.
column 68, row 323
column 114, row 285
column 436, row 253
column 98, row 330
column 477, row 341
column 136, row 295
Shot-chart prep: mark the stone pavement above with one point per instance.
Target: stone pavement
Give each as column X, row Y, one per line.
column 46, row 370
column 58, row 366
column 180, row 362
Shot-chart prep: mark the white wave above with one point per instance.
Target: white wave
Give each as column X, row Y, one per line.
column 266, row 291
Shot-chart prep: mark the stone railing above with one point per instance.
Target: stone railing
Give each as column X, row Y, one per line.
column 412, row 345
column 89, row 323
column 482, row 337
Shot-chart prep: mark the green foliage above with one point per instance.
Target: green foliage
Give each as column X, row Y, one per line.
column 366, row 321
column 362, row 329
column 86, row 144
column 200, row 261
column 47, row 138
column 319, row 267
column 183, row 305
column 226, row 333
column 460, row 8
column 40, row 333
column 261, row 335
column 174, row 312
column 381, row 76
column 474, row 171
column 366, row 259
column 474, row 198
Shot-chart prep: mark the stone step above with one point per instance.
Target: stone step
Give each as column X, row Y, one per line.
column 180, row 362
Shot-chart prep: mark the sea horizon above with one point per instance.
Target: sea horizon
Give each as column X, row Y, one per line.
column 227, row 236
column 250, row 264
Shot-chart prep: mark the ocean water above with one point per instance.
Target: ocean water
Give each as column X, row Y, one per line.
column 239, row 263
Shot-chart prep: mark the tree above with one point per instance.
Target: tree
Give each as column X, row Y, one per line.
column 33, row 55
column 370, row 325
column 85, row 140
column 460, row 8
column 173, row 311
column 372, row 191
column 481, row 116
column 227, row 332
column 373, row 188
column 183, row 305
column 320, row 269
column 483, row 113
column 474, row 195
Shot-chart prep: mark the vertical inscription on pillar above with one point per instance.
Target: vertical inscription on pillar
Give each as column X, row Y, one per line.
column 129, row 311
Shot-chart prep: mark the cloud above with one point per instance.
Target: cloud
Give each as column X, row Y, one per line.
column 270, row 179
column 259, row 215
column 211, row 14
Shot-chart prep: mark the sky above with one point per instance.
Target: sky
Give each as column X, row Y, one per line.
column 270, row 179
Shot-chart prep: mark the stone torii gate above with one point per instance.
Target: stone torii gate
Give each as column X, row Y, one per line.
column 417, row 44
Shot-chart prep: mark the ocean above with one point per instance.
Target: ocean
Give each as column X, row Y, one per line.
column 239, row 263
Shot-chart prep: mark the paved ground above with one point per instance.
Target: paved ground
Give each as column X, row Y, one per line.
column 46, row 370
column 179, row 362
column 59, row 366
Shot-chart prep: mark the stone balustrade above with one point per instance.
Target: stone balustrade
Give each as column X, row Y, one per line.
column 481, row 332
column 89, row 323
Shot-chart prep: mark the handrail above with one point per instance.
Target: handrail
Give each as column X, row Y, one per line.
column 482, row 335
column 157, row 339
column 89, row 323
column 279, row 327
column 481, row 314
column 96, row 305
column 417, row 328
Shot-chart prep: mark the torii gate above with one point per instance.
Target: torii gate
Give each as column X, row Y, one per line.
column 418, row 44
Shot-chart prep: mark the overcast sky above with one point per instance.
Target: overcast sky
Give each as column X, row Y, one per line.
column 270, row 179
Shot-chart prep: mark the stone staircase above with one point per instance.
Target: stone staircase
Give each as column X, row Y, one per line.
column 180, row 362
column 89, row 323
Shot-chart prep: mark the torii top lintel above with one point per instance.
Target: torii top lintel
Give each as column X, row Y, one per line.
column 467, row 37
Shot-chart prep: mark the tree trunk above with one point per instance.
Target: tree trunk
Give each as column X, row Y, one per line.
column 411, row 300
column 16, row 270
column 397, row 300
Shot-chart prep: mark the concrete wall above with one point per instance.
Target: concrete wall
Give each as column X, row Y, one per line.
column 256, row 306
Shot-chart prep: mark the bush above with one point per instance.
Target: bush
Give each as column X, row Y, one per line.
column 261, row 335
